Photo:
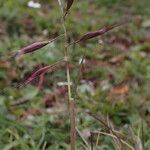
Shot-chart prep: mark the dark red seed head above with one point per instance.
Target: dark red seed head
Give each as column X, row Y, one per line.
column 42, row 71
column 30, row 48
column 99, row 32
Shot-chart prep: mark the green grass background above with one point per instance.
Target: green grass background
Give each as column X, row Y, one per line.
column 123, row 58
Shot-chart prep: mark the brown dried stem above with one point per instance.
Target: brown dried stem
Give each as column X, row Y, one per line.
column 71, row 101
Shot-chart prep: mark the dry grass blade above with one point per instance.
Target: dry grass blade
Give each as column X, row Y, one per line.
column 113, row 136
column 106, row 126
column 136, row 138
column 85, row 142
column 91, row 141
column 97, row 140
column 44, row 146
column 117, row 143
column 142, row 134
column 69, row 4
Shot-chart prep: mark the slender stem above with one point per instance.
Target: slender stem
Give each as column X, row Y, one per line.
column 91, row 140
column 69, row 82
column 71, row 101
column 114, row 136
column 97, row 140
column 85, row 142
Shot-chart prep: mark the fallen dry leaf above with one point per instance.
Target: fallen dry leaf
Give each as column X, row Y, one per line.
column 120, row 89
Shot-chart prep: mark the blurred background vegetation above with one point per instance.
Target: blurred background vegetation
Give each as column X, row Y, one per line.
column 113, row 82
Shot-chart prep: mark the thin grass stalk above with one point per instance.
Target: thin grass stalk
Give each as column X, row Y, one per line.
column 142, row 134
column 91, row 141
column 106, row 126
column 114, row 136
column 117, row 143
column 44, row 146
column 71, row 101
column 97, row 140
column 84, row 140
column 72, row 123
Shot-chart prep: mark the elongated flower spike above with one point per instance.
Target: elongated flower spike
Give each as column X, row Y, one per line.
column 30, row 48
column 69, row 4
column 93, row 34
column 41, row 71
